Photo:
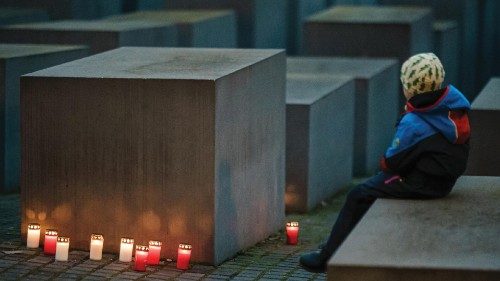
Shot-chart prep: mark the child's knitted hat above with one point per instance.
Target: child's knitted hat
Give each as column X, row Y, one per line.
column 422, row 73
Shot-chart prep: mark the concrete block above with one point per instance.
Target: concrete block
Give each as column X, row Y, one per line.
column 100, row 36
column 369, row 32
column 489, row 41
column 298, row 11
column 446, row 38
column 351, row 2
column 454, row 238
column 376, row 102
column 180, row 145
column 196, row 28
column 466, row 13
column 16, row 60
column 261, row 23
column 484, row 155
column 70, row 9
column 19, row 15
column 319, row 138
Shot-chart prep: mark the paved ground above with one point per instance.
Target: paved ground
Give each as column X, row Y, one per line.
column 271, row 259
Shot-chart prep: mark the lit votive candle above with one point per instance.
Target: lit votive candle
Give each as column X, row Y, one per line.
column 96, row 244
column 50, row 241
column 62, row 249
column 141, row 258
column 292, row 233
column 154, row 252
column 33, row 237
column 126, row 249
column 183, row 256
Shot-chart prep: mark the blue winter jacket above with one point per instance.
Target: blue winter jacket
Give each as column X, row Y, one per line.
column 432, row 136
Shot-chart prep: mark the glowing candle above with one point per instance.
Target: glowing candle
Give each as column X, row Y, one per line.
column 96, row 244
column 154, row 252
column 183, row 256
column 126, row 249
column 141, row 258
column 62, row 249
column 33, row 239
column 292, row 233
column 49, row 244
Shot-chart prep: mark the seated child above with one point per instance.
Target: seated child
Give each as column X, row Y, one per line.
column 428, row 153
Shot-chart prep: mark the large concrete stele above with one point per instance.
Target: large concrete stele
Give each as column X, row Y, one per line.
column 196, row 28
column 467, row 14
column 20, row 15
column 298, row 11
column 446, row 47
column 376, row 102
column 449, row 239
column 261, row 23
column 319, row 140
column 99, row 35
column 484, row 155
column 70, row 9
column 180, row 145
column 369, row 31
column 16, row 60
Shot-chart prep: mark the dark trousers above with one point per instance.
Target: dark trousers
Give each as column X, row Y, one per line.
column 382, row 185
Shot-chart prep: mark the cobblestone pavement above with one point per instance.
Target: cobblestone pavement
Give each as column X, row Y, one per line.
column 271, row 259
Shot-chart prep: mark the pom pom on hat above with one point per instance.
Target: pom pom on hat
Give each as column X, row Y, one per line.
column 422, row 73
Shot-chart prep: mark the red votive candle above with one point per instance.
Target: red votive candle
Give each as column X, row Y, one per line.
column 292, row 233
column 141, row 258
column 154, row 252
column 183, row 256
column 50, row 242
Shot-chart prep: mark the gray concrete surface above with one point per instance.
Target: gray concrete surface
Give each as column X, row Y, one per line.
column 184, row 145
column 196, row 28
column 16, row 60
column 454, row 238
column 99, row 35
column 319, row 141
column 261, row 23
column 376, row 102
column 298, row 11
column 446, row 46
column 20, row 15
column 391, row 32
column 484, row 155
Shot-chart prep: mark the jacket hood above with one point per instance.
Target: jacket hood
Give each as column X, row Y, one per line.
column 445, row 110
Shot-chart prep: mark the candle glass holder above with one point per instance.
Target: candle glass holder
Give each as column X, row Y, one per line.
column 62, row 249
column 292, row 233
column 96, row 245
column 33, row 236
column 126, row 249
column 141, row 257
column 154, row 252
column 183, row 256
column 50, row 242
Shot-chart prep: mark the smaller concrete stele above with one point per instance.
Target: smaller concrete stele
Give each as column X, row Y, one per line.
column 369, row 31
column 142, row 5
column 298, row 11
column 454, row 238
column 16, row 60
column 19, row 15
column 181, row 145
column 261, row 23
column 319, row 138
column 99, row 35
column 196, row 28
column 484, row 155
column 70, row 9
column 376, row 102
column 446, row 47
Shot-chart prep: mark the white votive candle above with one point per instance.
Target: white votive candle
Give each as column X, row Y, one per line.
column 126, row 249
column 33, row 237
column 62, row 248
column 96, row 244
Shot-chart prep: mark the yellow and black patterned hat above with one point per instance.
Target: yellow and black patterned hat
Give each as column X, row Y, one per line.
column 422, row 73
